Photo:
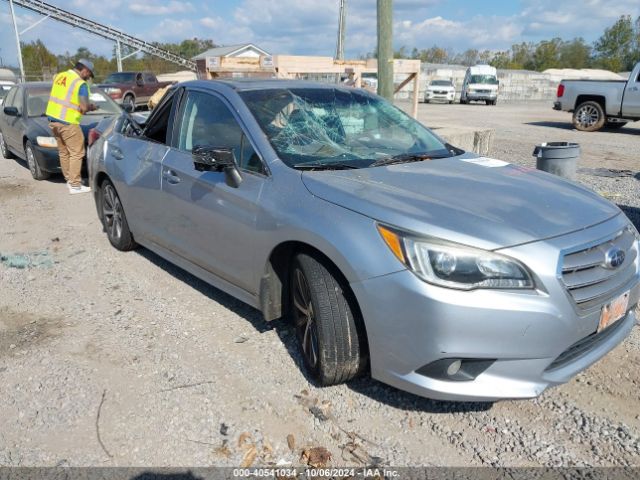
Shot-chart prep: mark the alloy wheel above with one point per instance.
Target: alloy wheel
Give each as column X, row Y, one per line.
column 112, row 212
column 31, row 161
column 305, row 319
column 587, row 116
column 3, row 146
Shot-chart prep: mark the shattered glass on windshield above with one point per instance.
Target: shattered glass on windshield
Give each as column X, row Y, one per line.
column 311, row 125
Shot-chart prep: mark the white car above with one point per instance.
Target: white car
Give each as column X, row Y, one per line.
column 442, row 90
column 5, row 86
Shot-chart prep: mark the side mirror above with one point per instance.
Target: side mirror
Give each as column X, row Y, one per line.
column 11, row 111
column 218, row 159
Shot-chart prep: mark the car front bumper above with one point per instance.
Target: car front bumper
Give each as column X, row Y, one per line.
column 481, row 96
column 47, row 158
column 446, row 97
column 518, row 334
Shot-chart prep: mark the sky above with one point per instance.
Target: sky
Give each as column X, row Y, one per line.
column 309, row 27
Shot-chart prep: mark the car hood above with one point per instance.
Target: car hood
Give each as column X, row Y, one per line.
column 435, row 87
column 474, row 201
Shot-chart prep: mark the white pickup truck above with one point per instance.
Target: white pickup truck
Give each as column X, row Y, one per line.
column 599, row 103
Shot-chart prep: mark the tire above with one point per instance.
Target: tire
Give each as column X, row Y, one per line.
column 427, row 101
column 589, row 116
column 463, row 101
column 4, row 149
column 487, row 102
column 494, row 102
column 329, row 336
column 36, row 172
column 615, row 125
column 113, row 218
column 450, row 102
column 129, row 100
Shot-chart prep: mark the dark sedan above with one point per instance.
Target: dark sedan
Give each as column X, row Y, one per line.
column 24, row 127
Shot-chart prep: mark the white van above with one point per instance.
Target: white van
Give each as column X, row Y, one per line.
column 480, row 83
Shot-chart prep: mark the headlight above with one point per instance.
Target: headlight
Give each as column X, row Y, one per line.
column 112, row 90
column 456, row 266
column 49, row 142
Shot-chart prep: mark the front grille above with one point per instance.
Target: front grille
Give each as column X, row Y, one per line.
column 440, row 92
column 586, row 276
column 585, row 345
column 483, row 91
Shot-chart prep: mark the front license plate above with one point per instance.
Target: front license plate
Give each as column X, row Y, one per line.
column 614, row 311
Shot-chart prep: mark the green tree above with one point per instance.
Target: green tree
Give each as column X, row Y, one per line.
column 575, row 54
column 39, row 63
column 547, row 54
column 614, row 49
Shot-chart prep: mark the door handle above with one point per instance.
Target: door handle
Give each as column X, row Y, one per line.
column 117, row 153
column 171, row 177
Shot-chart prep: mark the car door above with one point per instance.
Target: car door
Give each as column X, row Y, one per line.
column 631, row 101
column 207, row 221
column 12, row 125
column 134, row 165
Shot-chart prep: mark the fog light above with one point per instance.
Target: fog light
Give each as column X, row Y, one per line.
column 454, row 368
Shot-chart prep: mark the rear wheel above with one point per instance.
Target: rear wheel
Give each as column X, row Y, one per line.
column 329, row 337
column 114, row 219
column 589, row 116
column 129, row 103
column 4, row 149
column 36, row 172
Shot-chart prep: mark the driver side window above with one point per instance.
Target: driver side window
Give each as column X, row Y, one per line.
column 14, row 99
column 206, row 121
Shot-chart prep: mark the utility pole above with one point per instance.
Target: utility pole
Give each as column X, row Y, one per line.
column 341, row 30
column 385, row 49
column 15, row 27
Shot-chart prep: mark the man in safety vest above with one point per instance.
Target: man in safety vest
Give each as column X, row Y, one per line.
column 68, row 101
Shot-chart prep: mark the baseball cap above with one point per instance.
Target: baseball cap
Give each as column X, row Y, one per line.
column 88, row 64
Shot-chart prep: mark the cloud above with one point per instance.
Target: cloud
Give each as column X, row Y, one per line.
column 150, row 8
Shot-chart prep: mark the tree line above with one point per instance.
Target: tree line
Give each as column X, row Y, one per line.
column 617, row 49
column 41, row 64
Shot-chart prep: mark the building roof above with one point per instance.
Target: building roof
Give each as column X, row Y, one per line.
column 228, row 51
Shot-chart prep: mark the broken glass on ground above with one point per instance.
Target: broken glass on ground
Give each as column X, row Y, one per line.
column 27, row 260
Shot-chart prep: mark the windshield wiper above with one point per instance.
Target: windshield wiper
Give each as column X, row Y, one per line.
column 324, row 166
column 406, row 158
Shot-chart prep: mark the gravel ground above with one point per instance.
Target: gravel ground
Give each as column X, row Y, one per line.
column 114, row 359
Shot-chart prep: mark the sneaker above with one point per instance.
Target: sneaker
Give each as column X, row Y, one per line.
column 78, row 189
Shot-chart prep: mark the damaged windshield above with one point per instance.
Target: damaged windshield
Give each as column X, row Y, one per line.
column 318, row 127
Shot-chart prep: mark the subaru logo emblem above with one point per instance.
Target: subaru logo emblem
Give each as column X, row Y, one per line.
column 614, row 258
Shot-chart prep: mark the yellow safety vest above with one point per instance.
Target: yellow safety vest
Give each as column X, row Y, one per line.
column 64, row 101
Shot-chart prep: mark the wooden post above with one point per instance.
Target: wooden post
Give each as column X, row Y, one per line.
column 416, row 94
column 385, row 49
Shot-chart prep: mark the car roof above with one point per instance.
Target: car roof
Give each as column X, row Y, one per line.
column 244, row 84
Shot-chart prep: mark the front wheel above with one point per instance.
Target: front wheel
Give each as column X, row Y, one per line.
column 589, row 116
column 4, row 149
column 113, row 218
column 36, row 172
column 329, row 336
